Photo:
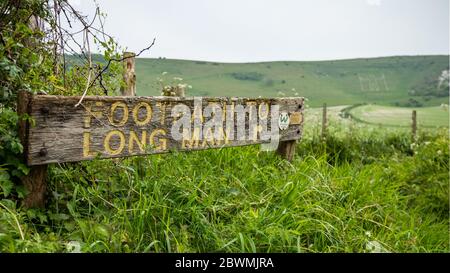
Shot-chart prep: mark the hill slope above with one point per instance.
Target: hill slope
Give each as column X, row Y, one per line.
column 401, row 81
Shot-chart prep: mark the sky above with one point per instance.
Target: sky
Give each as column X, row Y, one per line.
column 274, row 30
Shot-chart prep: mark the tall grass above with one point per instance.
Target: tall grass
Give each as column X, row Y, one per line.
column 360, row 190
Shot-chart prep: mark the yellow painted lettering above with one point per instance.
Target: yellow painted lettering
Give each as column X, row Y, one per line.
column 124, row 107
column 107, row 142
column 162, row 142
column 86, row 145
column 92, row 113
column 263, row 110
column 148, row 113
column 140, row 142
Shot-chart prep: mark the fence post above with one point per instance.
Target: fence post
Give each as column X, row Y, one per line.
column 129, row 74
column 324, row 121
column 286, row 149
column 414, row 126
column 35, row 181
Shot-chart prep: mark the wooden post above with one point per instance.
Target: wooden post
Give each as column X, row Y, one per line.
column 129, row 74
column 414, row 126
column 286, row 149
column 35, row 182
column 180, row 91
column 324, row 121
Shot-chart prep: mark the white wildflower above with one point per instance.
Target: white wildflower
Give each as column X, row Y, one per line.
column 73, row 247
column 164, row 73
column 376, row 247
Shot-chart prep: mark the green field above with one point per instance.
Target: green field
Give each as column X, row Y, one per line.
column 399, row 81
column 396, row 116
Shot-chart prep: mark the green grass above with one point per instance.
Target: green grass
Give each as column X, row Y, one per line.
column 398, row 116
column 361, row 190
column 365, row 188
column 386, row 81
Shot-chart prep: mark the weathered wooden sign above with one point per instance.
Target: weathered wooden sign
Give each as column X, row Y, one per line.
column 111, row 127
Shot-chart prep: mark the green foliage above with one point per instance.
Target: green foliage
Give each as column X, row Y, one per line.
column 23, row 66
column 11, row 166
column 28, row 62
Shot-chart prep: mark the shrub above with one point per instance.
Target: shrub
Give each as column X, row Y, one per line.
column 247, row 76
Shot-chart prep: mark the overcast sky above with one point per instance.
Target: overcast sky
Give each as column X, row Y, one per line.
column 269, row 30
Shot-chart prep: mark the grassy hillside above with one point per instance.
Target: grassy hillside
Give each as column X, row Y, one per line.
column 400, row 81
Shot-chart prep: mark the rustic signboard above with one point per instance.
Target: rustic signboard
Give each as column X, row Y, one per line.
column 112, row 127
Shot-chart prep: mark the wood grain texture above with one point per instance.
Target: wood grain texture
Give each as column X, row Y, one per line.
column 129, row 74
column 286, row 149
column 35, row 181
column 111, row 127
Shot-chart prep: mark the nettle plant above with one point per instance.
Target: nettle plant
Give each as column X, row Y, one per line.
column 39, row 54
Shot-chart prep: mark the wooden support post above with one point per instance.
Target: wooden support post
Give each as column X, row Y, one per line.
column 129, row 74
column 35, row 182
column 286, row 149
column 180, row 91
column 414, row 126
column 324, row 121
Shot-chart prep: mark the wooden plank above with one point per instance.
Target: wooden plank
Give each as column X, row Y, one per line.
column 112, row 127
